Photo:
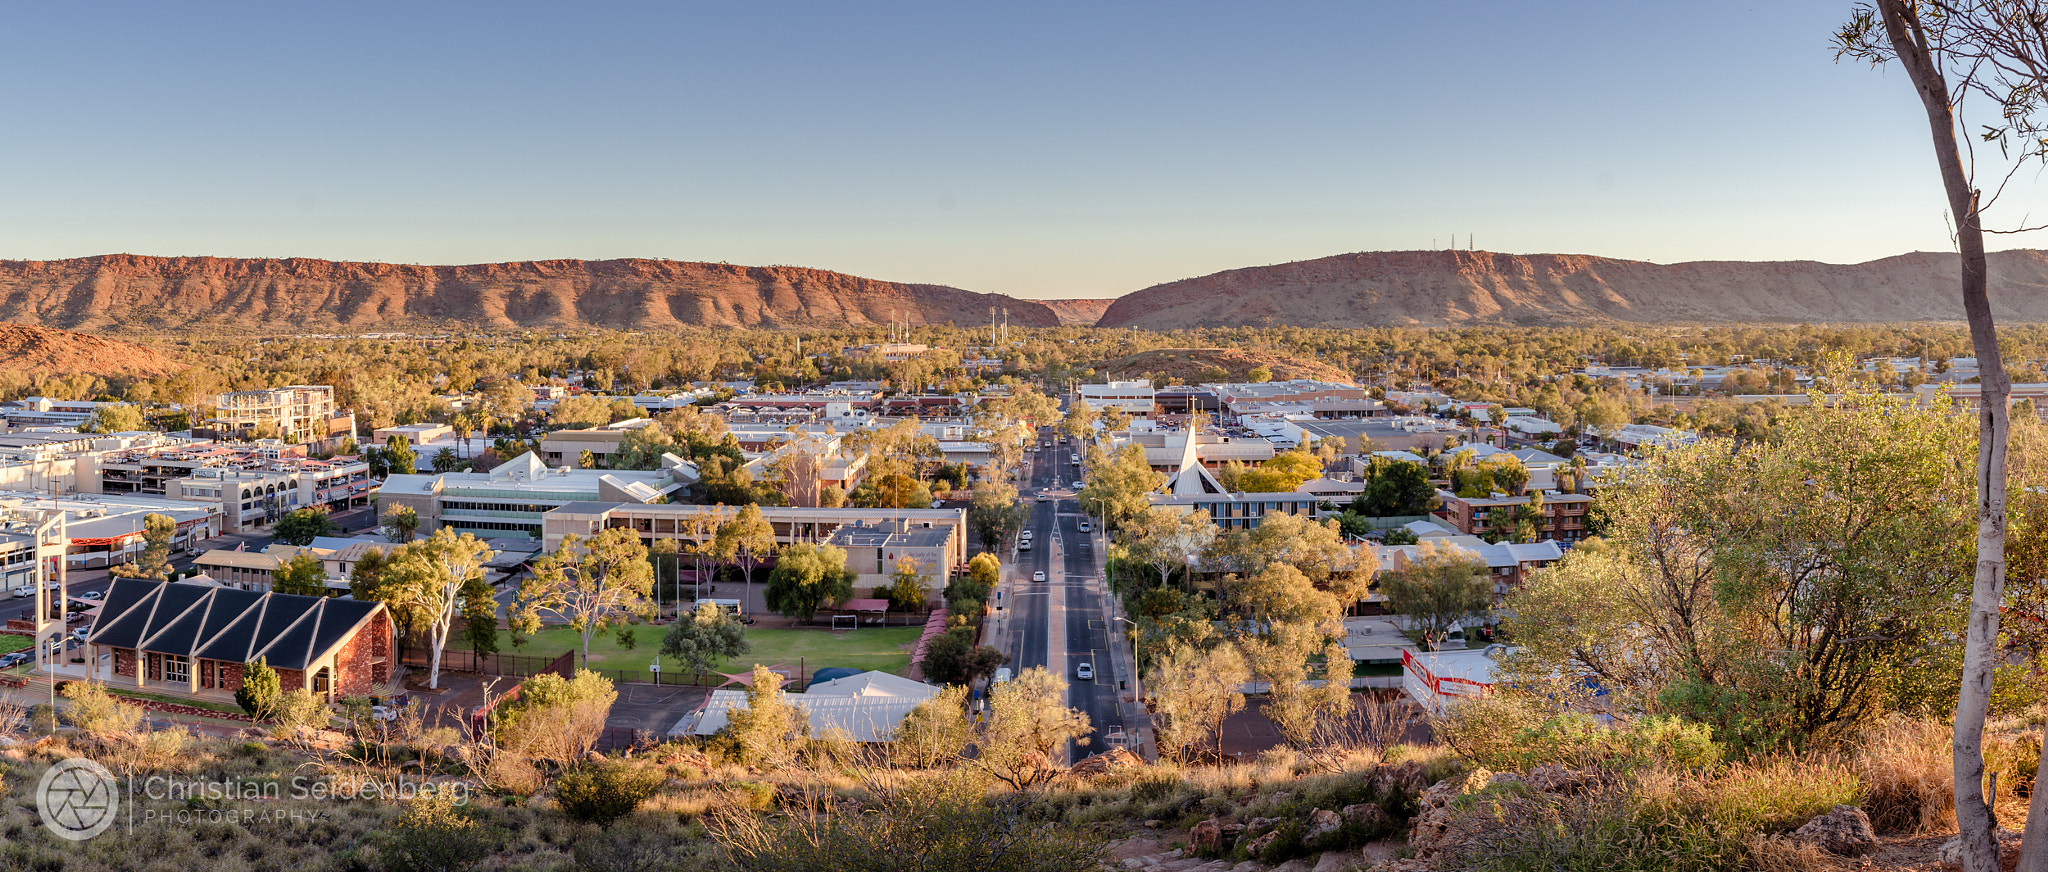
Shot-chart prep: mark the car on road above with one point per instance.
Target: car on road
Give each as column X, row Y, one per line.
column 81, row 633
column 1084, row 527
column 1027, row 535
column 24, row 590
column 1038, row 576
column 93, row 594
column 15, row 658
column 1024, row 545
column 1076, row 458
column 1084, row 672
column 1077, row 484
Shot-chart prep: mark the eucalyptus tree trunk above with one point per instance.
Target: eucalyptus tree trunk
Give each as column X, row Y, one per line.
column 1980, row 652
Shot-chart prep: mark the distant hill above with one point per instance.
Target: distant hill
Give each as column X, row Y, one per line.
column 1433, row 288
column 1196, row 365
column 61, row 352
column 1079, row 312
column 298, row 294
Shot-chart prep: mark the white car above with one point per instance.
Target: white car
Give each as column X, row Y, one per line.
column 25, row 591
column 1024, row 545
column 1084, row 672
column 1038, row 576
column 1084, row 527
column 91, row 595
column 81, row 633
column 1077, row 484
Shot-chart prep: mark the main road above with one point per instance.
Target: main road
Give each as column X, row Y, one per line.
column 1062, row 622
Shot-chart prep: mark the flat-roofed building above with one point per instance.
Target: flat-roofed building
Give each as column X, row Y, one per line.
column 106, row 529
column 1133, row 397
column 511, row 499
column 300, row 414
column 413, row 434
column 1240, row 398
column 791, row 524
column 873, row 551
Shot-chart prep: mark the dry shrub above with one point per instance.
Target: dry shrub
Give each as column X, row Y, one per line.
column 1778, row 794
column 1908, row 771
column 1908, row 776
column 1779, row 854
column 513, row 774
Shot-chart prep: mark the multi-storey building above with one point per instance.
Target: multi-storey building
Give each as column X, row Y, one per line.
column 300, row 414
column 253, row 486
column 792, row 524
column 510, row 500
column 1133, row 398
column 1563, row 518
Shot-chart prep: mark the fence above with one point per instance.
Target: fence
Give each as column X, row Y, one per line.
column 616, row 739
column 515, row 665
column 794, row 683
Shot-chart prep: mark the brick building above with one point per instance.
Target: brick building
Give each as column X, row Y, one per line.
column 193, row 639
column 1564, row 515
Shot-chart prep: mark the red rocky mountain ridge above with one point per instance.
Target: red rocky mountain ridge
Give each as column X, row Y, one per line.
column 297, row 295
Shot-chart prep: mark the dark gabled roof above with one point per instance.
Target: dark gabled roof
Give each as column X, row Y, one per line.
column 215, row 623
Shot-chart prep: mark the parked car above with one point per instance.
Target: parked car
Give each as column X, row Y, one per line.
column 1085, row 672
column 25, row 590
column 1024, row 545
column 91, row 595
column 1084, row 526
column 1038, row 576
column 81, row 633
column 14, row 658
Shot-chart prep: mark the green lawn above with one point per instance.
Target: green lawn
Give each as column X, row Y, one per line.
column 881, row 648
column 11, row 643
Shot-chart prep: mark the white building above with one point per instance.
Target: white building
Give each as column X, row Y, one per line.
column 1133, row 398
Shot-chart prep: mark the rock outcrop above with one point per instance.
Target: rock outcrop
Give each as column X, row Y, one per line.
column 1079, row 312
column 40, row 350
column 1844, row 830
column 1433, row 288
column 303, row 295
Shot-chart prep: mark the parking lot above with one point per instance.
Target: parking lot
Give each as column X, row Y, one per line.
column 654, row 709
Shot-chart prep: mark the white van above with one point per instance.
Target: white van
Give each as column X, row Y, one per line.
column 1002, row 675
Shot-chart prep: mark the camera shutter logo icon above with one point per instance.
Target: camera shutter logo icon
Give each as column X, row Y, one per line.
column 78, row 799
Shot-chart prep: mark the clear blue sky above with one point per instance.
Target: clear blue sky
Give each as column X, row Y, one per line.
column 1037, row 149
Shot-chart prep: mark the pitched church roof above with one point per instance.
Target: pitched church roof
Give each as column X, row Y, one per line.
column 218, row 623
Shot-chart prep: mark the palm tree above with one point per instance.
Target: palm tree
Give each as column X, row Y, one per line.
column 459, row 422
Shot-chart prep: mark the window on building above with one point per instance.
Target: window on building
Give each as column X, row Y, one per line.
column 177, row 668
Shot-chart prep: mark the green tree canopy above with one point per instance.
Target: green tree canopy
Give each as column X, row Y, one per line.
column 699, row 640
column 807, row 578
column 1441, row 587
column 303, row 575
column 301, row 526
